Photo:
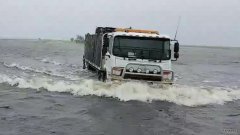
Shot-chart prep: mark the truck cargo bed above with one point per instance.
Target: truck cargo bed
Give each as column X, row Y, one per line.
column 93, row 47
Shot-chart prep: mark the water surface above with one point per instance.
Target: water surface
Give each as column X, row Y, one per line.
column 44, row 90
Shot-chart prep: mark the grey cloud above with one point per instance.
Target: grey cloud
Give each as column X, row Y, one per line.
column 212, row 22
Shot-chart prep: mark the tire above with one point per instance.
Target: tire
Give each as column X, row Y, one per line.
column 84, row 64
column 102, row 76
column 99, row 76
column 88, row 66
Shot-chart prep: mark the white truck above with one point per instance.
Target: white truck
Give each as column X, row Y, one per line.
column 119, row 54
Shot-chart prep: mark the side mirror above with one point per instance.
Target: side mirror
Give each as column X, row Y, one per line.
column 176, row 47
column 107, row 54
column 176, row 50
column 176, row 55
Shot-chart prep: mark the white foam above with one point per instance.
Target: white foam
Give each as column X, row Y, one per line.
column 47, row 60
column 182, row 95
column 14, row 65
column 210, row 81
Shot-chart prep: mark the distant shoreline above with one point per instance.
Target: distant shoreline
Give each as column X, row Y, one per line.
column 29, row 39
column 34, row 39
column 209, row 46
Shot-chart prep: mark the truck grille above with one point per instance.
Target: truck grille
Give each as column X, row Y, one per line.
column 144, row 69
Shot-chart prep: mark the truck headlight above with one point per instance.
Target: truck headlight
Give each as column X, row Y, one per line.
column 139, row 70
column 155, row 71
column 167, row 75
column 131, row 69
column 117, row 71
column 147, row 71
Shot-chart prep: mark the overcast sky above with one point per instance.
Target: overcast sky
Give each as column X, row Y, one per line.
column 204, row 22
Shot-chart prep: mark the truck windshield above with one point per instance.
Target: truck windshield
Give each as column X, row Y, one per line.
column 142, row 48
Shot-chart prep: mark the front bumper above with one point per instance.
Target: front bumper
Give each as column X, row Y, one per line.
column 146, row 78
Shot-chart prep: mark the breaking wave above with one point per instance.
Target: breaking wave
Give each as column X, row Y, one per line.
column 14, row 65
column 179, row 94
column 46, row 72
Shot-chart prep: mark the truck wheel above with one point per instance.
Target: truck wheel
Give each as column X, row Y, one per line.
column 101, row 76
column 104, row 76
column 84, row 64
column 88, row 66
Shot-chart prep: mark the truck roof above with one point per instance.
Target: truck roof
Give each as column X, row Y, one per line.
column 135, row 34
column 130, row 32
column 136, row 30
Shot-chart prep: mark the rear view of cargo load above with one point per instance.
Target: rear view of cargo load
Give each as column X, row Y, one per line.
column 119, row 54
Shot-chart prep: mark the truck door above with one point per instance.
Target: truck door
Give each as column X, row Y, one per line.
column 108, row 57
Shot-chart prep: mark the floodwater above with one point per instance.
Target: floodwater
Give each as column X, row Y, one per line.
column 44, row 90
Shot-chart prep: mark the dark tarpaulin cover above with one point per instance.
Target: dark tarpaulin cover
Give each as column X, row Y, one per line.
column 93, row 48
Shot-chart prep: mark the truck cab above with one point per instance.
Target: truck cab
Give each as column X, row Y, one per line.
column 130, row 54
